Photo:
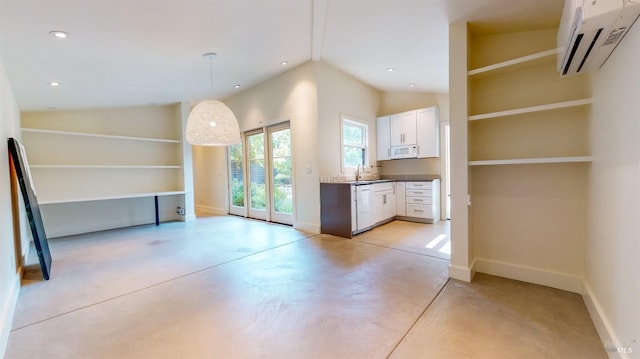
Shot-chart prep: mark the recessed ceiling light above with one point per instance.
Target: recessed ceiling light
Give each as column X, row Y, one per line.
column 390, row 69
column 237, row 86
column 59, row 34
column 412, row 85
column 284, row 63
column 53, row 83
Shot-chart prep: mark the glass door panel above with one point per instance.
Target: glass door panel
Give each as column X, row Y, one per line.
column 236, row 180
column 281, row 181
column 257, row 188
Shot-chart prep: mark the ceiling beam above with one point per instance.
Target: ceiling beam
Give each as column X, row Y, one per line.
column 319, row 9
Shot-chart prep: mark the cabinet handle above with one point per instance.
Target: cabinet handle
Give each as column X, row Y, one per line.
column 388, row 152
column 384, row 199
column 418, row 210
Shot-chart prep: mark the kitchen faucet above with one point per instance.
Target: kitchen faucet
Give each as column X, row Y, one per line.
column 358, row 173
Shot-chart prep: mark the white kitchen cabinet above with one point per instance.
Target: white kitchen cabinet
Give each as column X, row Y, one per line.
column 419, row 127
column 384, row 201
column 383, row 138
column 423, row 200
column 428, row 127
column 400, row 199
column 364, row 207
column 402, row 128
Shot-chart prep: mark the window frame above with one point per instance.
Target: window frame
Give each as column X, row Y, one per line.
column 353, row 121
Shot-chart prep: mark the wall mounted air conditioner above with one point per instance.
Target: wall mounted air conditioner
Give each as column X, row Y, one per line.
column 590, row 30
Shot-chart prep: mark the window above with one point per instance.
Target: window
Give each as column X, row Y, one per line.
column 354, row 143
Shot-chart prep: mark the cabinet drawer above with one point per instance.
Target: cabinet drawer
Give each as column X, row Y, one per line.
column 419, row 185
column 419, row 200
column 418, row 193
column 420, row 211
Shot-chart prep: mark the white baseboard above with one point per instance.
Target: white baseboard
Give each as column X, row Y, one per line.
column 307, row 227
column 6, row 316
column 602, row 324
column 210, row 211
column 564, row 281
column 463, row 274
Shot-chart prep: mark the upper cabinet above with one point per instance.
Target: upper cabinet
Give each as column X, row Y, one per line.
column 403, row 129
column 428, row 129
column 383, row 138
column 418, row 128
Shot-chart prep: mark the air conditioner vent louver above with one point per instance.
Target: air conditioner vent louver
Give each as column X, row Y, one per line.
column 581, row 46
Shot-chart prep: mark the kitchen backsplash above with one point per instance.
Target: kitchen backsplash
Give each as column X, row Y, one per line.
column 410, row 166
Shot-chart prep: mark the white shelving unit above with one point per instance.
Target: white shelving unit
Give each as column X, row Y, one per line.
column 517, row 68
column 526, row 161
column 516, row 64
column 112, row 163
column 84, row 134
column 528, row 158
column 521, row 111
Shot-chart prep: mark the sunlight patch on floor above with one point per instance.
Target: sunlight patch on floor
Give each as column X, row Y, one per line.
column 435, row 241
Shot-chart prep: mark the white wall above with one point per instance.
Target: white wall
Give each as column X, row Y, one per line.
column 13, row 224
column 612, row 265
column 210, row 178
column 291, row 96
column 462, row 252
column 312, row 96
column 339, row 93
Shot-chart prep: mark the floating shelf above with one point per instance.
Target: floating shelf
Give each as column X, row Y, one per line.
column 519, row 63
column 84, row 134
column 112, row 197
column 101, row 167
column 524, row 161
column 519, row 111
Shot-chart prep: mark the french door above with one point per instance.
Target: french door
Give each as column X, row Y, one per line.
column 263, row 161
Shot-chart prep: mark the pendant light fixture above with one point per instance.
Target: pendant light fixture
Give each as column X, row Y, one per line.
column 211, row 122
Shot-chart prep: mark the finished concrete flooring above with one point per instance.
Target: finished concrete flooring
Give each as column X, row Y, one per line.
column 226, row 287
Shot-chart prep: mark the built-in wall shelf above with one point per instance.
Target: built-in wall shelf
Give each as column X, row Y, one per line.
column 519, row 111
column 101, row 167
column 112, row 197
column 524, row 161
column 85, row 134
column 516, row 64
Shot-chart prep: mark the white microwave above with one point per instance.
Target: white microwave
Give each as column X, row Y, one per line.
column 404, row 152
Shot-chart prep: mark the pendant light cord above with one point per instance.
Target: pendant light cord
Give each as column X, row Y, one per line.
column 211, row 72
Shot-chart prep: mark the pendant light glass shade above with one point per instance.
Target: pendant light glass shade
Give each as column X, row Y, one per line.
column 211, row 123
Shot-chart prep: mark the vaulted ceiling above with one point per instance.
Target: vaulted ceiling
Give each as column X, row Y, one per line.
column 137, row 52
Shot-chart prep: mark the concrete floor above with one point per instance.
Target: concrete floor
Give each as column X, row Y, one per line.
column 225, row 287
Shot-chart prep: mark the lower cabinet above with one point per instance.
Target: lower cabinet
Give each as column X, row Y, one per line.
column 347, row 209
column 400, row 199
column 423, row 200
column 384, row 200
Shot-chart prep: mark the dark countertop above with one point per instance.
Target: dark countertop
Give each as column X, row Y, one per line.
column 391, row 178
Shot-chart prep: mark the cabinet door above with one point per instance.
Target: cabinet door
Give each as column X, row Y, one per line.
column 409, row 128
column 428, row 130
column 395, row 130
column 400, row 199
column 378, row 206
column 389, row 204
column 403, row 128
column 383, row 138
